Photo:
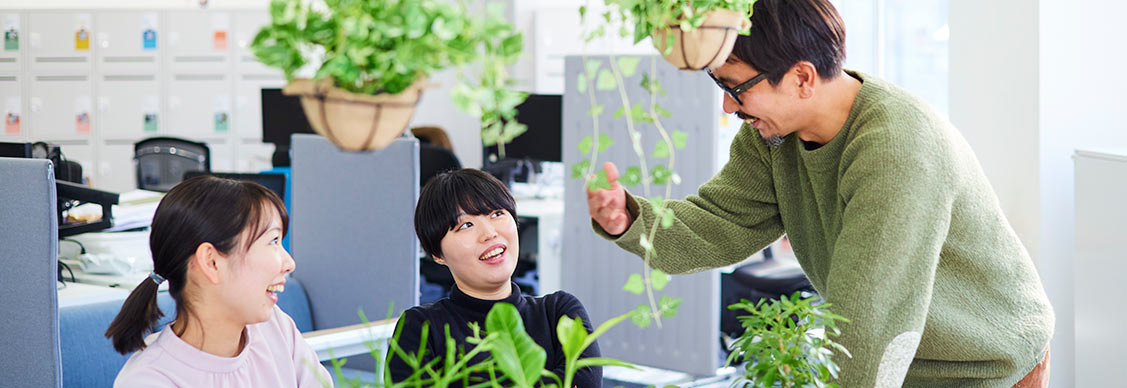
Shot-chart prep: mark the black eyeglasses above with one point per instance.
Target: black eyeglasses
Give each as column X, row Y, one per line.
column 739, row 89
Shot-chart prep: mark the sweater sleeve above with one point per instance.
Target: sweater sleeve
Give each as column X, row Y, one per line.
column 411, row 324
column 732, row 216
column 895, row 187
column 589, row 377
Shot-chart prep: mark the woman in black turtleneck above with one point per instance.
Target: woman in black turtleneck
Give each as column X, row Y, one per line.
column 466, row 220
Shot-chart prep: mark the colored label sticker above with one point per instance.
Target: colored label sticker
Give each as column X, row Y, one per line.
column 149, row 39
column 11, row 40
column 221, row 121
column 220, row 40
column 82, row 122
column 150, row 125
column 82, row 40
column 12, row 123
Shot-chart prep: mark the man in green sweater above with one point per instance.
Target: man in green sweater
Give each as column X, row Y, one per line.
column 886, row 206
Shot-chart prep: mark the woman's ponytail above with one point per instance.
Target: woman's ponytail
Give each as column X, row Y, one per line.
column 137, row 318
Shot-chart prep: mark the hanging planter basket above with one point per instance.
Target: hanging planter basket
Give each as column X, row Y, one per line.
column 708, row 46
column 356, row 122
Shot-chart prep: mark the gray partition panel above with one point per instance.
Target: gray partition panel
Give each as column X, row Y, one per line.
column 352, row 225
column 29, row 230
column 595, row 269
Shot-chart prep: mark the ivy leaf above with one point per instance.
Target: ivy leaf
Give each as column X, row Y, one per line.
column 578, row 170
column 667, row 219
column 604, row 142
column 661, row 111
column 659, row 279
column 628, row 65
column 585, row 145
column 582, row 11
column 634, row 284
column 661, row 174
column 600, row 181
column 516, row 353
column 660, row 150
column 632, row 177
column 641, row 316
column 592, row 66
column 595, row 111
column 668, row 306
column 618, row 113
column 656, row 203
column 680, row 138
column 581, row 83
column 606, row 80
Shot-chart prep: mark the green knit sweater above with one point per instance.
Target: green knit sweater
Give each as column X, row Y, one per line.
column 894, row 223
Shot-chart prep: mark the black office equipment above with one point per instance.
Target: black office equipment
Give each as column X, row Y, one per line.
column 162, row 161
column 543, row 114
column 282, row 116
column 71, row 195
column 15, row 150
column 65, row 170
column 276, row 182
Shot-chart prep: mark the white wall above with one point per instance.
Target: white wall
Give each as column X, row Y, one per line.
column 1031, row 81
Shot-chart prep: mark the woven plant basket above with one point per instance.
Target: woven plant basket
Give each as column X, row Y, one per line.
column 706, row 47
column 356, row 122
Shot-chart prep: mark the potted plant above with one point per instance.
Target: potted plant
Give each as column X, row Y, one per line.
column 690, row 34
column 373, row 58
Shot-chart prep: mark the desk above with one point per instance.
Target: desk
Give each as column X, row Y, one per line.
column 75, row 294
column 549, row 219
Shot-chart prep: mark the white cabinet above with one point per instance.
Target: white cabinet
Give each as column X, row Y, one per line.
column 199, row 105
column 199, row 41
column 61, row 107
column 13, row 109
column 115, row 171
column 253, row 156
column 248, row 103
column 61, row 41
column 222, row 154
column 127, row 41
column 128, row 106
column 14, row 42
column 1101, row 266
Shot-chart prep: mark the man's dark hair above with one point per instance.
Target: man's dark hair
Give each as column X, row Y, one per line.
column 785, row 32
column 450, row 194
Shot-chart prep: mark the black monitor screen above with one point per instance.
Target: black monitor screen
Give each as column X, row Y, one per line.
column 282, row 116
column 543, row 114
column 15, row 150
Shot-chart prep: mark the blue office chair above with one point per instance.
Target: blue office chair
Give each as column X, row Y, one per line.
column 29, row 325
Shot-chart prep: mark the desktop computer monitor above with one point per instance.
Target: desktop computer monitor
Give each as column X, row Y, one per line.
column 543, row 114
column 282, row 116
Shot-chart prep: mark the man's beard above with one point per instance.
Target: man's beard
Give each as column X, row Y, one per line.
column 773, row 141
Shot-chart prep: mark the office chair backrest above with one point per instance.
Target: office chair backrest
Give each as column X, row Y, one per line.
column 162, row 161
column 434, row 160
column 434, row 136
column 29, row 324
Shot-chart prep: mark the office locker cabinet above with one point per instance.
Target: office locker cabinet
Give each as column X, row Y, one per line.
column 61, row 41
column 127, row 42
column 62, row 107
column 128, row 106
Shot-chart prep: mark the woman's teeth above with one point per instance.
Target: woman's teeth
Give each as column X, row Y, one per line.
column 276, row 288
column 492, row 254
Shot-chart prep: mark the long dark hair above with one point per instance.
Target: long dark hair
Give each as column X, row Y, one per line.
column 203, row 209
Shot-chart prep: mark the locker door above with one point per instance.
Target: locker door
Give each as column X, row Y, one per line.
column 115, row 167
column 198, row 40
column 253, row 156
column 199, row 106
column 61, row 107
column 13, row 31
column 248, row 103
column 128, row 106
column 61, row 40
column 127, row 41
column 222, row 154
column 12, row 109
column 246, row 25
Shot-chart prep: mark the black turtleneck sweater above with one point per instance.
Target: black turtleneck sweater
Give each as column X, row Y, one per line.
column 539, row 314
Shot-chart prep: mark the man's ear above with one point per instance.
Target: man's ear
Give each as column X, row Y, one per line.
column 208, row 261
column 805, row 78
column 438, row 260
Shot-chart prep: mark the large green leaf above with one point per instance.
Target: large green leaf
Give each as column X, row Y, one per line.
column 606, row 80
column 571, row 334
column 659, row 279
column 632, row 176
column 628, row 65
column 634, row 284
column 585, row 145
column 517, row 354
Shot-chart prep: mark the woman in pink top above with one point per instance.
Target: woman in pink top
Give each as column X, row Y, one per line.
column 218, row 244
